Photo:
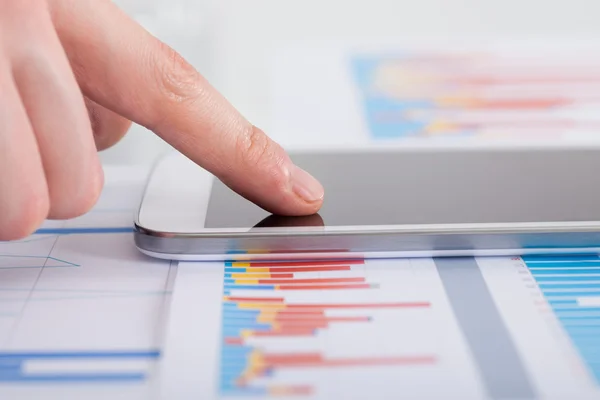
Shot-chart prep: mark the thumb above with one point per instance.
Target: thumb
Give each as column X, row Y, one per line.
column 123, row 68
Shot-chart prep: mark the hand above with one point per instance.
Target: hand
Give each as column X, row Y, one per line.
column 73, row 74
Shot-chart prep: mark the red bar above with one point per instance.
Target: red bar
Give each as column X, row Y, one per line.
column 234, row 341
column 300, row 313
column 257, row 299
column 299, row 390
column 310, row 269
column 515, row 104
column 303, row 331
column 294, row 320
column 307, row 323
column 326, row 287
column 365, row 305
column 305, row 263
column 520, row 80
column 315, row 280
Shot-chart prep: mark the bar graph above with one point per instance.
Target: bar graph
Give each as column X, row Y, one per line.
column 478, row 94
column 571, row 286
column 266, row 304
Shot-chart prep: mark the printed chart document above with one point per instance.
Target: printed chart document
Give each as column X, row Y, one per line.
column 444, row 328
column 468, row 92
column 81, row 310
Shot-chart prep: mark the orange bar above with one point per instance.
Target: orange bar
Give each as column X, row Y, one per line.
column 295, row 331
column 257, row 299
column 316, row 360
column 309, row 269
column 315, row 280
column 305, row 263
column 326, row 287
column 360, row 305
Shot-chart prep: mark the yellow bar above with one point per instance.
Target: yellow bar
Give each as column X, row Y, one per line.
column 266, row 317
column 250, row 275
column 246, row 281
column 260, row 306
column 246, row 333
column 240, row 264
column 261, row 269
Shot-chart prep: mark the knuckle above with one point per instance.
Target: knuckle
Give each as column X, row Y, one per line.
column 259, row 153
column 179, row 81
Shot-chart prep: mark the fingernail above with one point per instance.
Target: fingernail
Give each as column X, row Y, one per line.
column 305, row 186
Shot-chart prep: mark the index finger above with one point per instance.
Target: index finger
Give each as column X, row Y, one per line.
column 125, row 69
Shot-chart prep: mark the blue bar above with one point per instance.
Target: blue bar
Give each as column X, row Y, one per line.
column 236, row 350
column 596, row 373
column 567, row 278
column 578, row 318
column 61, row 378
column 589, row 341
column 580, row 271
column 571, row 314
column 226, row 292
column 244, row 319
column 590, row 323
column 233, row 313
column 577, row 310
column 572, row 294
column 233, row 369
column 83, row 354
column 231, row 332
column 243, row 324
column 593, row 349
column 576, row 331
column 565, row 264
column 575, row 316
column 569, row 286
column 558, row 303
column 70, row 231
column 249, row 287
column 566, row 257
column 228, row 263
column 234, row 270
column 233, row 365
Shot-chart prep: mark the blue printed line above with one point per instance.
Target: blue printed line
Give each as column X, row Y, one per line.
column 7, row 355
column 62, row 378
column 70, row 231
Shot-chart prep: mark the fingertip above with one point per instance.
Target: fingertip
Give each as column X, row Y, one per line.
column 307, row 187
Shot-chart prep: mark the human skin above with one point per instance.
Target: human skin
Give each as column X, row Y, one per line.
column 74, row 74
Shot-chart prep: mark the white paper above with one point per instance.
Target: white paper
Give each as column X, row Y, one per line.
column 464, row 328
column 81, row 310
